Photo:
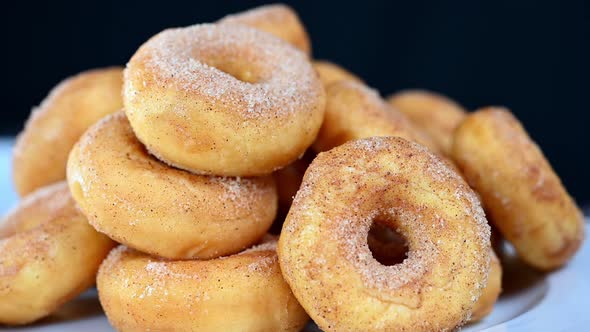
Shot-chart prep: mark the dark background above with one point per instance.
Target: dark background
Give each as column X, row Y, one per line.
column 531, row 56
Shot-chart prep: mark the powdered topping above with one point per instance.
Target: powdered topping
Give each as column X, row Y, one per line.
column 193, row 60
column 353, row 239
column 161, row 270
column 236, row 188
column 49, row 201
column 268, row 244
column 373, row 145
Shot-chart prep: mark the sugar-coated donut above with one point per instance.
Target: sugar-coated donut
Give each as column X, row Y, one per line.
column 42, row 148
column 435, row 114
column 355, row 111
column 491, row 292
column 519, row 190
column 331, row 73
column 277, row 19
column 323, row 249
column 48, row 255
column 223, row 99
column 243, row 292
column 289, row 178
column 143, row 203
column 388, row 248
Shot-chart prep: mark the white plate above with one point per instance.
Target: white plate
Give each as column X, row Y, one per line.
column 531, row 301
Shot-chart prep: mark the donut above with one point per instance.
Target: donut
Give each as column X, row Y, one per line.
column 243, row 292
column 288, row 180
column 41, row 150
column 519, row 190
column 434, row 114
column 355, row 111
column 139, row 201
column 330, row 73
column 225, row 100
column 49, row 254
column 389, row 248
column 277, row 19
column 491, row 292
column 323, row 249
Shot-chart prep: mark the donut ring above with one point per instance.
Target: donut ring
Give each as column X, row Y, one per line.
column 243, row 292
column 355, row 111
column 223, row 99
column 141, row 202
column 331, row 73
column 389, row 248
column 323, row 248
column 279, row 20
column 289, row 179
column 49, row 255
column 42, row 148
column 491, row 292
column 520, row 191
column 434, row 114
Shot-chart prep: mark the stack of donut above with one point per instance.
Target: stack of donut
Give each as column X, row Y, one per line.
column 183, row 161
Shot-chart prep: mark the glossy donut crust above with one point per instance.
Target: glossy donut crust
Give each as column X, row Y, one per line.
column 436, row 115
column 323, row 248
column 355, row 111
column 49, row 254
column 42, row 148
column 143, row 203
column 330, row 73
column 223, row 99
column 520, row 191
column 243, row 292
column 277, row 19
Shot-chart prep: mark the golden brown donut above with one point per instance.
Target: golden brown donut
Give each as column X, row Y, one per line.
column 331, row 73
column 520, row 191
column 435, row 114
column 143, row 203
column 42, row 148
column 223, row 99
column 277, row 19
column 243, row 292
column 389, row 248
column 323, row 248
column 491, row 292
column 355, row 111
column 288, row 179
column 48, row 255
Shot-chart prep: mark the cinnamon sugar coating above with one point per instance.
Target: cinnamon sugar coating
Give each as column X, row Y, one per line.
column 323, row 248
column 145, row 204
column 223, row 99
column 277, row 19
column 432, row 113
column 491, row 292
column 355, row 111
column 243, row 292
column 520, row 191
column 49, row 254
column 42, row 148
column 332, row 73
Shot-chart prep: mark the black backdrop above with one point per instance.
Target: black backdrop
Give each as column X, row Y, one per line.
column 531, row 56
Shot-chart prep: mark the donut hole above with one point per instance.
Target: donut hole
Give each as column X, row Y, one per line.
column 241, row 70
column 387, row 246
